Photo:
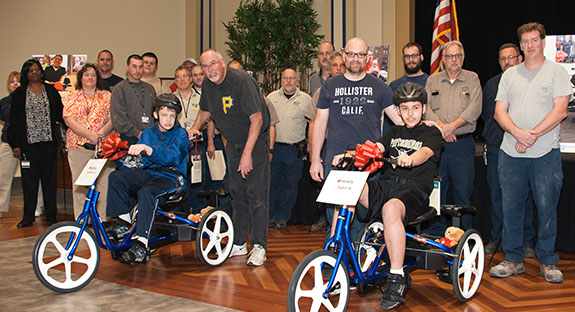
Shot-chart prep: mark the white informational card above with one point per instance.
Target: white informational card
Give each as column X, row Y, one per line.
column 217, row 166
column 90, row 172
column 342, row 187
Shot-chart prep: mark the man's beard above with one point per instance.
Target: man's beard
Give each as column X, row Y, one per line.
column 412, row 70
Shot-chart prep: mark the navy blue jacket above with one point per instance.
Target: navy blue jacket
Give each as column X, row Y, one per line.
column 171, row 150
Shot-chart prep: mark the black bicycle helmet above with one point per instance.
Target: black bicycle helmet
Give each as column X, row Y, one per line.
column 409, row 92
column 168, row 100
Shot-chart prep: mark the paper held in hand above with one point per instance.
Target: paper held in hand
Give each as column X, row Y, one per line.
column 342, row 187
column 217, row 166
column 90, row 172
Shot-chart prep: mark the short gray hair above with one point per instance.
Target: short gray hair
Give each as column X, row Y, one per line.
column 454, row 42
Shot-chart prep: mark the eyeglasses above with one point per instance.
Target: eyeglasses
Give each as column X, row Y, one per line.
column 453, row 56
column 211, row 65
column 411, row 56
column 355, row 54
column 289, row 78
column 510, row 57
column 182, row 76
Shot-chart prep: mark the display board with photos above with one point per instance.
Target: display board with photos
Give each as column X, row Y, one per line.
column 561, row 50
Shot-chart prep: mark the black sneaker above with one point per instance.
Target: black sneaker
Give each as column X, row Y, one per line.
column 119, row 230
column 137, row 253
column 395, row 289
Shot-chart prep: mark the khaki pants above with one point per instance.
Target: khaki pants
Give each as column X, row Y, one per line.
column 77, row 159
column 7, row 169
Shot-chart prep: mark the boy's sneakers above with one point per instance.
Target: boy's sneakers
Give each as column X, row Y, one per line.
column 395, row 289
column 506, row 269
column 257, row 256
column 38, row 212
column 137, row 253
column 239, row 250
column 119, row 230
column 552, row 273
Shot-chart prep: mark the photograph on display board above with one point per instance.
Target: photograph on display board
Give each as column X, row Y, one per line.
column 561, row 50
column 78, row 61
column 378, row 58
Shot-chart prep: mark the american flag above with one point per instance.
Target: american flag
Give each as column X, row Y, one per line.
column 444, row 30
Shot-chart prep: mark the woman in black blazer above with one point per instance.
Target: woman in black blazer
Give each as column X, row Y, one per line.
column 35, row 118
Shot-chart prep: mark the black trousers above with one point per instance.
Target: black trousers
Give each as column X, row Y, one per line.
column 43, row 159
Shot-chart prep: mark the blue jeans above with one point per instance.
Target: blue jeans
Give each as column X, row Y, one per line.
column 457, row 170
column 496, row 208
column 544, row 175
column 126, row 187
column 285, row 172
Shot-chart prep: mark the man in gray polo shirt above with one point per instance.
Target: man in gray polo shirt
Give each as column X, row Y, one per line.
column 131, row 103
column 286, row 167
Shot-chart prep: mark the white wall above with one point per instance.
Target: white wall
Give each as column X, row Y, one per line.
column 85, row 27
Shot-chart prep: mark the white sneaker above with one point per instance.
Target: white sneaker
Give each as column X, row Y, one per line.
column 38, row 212
column 239, row 250
column 257, row 256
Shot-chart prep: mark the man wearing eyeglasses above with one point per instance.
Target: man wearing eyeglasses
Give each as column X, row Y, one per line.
column 233, row 99
column 291, row 106
column 455, row 104
column 531, row 103
column 351, row 106
column 509, row 55
column 412, row 60
column 323, row 54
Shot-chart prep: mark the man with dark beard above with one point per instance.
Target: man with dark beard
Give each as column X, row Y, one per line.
column 412, row 59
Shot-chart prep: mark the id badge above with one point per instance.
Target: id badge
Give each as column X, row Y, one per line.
column 145, row 119
column 25, row 164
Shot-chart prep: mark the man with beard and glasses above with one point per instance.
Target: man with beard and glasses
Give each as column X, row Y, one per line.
column 351, row 106
column 412, row 59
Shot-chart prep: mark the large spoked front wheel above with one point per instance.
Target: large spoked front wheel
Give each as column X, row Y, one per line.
column 467, row 267
column 53, row 264
column 215, row 237
column 309, row 282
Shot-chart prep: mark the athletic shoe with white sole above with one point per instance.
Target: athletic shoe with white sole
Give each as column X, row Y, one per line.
column 257, row 256
column 239, row 250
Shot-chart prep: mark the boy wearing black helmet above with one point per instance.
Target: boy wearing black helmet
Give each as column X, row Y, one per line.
column 402, row 192
column 163, row 145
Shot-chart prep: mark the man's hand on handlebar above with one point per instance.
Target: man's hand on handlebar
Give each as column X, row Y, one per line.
column 194, row 133
column 140, row 149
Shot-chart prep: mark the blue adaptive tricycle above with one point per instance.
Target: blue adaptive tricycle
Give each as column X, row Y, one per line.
column 316, row 284
column 66, row 256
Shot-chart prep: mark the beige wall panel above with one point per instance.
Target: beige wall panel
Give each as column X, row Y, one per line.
column 85, row 27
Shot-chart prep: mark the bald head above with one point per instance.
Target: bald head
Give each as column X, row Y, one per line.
column 323, row 54
column 289, row 81
column 235, row 65
column 355, row 58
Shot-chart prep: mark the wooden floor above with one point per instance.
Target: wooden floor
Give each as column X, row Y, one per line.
column 175, row 270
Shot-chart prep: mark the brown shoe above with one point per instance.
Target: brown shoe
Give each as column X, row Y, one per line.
column 552, row 273
column 506, row 268
column 319, row 226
